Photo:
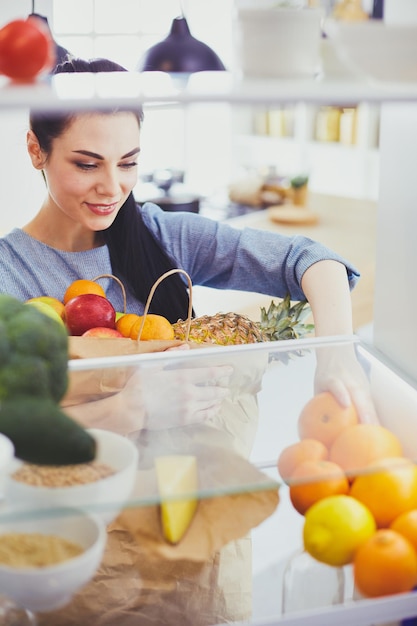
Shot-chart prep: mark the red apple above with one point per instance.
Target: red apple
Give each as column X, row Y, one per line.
column 88, row 310
column 102, row 331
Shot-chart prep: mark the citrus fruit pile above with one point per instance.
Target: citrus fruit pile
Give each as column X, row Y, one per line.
column 358, row 495
column 86, row 311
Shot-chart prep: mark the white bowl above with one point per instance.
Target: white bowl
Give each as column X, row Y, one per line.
column 51, row 587
column 278, row 42
column 105, row 497
column 375, row 50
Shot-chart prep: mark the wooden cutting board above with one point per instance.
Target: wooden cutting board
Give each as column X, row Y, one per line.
column 292, row 214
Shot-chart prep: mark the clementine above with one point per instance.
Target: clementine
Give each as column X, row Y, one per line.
column 385, row 564
column 406, row 525
column 154, row 327
column 323, row 418
column 360, row 445
column 82, row 286
column 314, row 480
column 304, row 450
column 388, row 490
column 125, row 322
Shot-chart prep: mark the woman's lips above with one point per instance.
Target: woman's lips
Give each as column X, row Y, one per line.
column 102, row 209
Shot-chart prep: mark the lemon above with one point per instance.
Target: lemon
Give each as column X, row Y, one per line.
column 335, row 527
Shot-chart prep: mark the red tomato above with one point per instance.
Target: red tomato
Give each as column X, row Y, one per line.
column 26, row 49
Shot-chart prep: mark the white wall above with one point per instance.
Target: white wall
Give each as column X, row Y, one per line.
column 21, row 187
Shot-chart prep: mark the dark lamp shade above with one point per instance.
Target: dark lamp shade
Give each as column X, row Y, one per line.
column 180, row 52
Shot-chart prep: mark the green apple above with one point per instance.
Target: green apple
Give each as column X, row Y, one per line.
column 46, row 309
column 53, row 302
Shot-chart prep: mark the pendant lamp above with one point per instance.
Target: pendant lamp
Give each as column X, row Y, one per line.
column 180, row 52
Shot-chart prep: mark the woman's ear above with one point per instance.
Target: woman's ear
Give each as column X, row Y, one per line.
column 34, row 150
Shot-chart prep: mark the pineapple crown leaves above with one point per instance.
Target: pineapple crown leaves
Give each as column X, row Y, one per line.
column 285, row 320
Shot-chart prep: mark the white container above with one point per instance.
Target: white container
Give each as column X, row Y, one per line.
column 51, row 587
column 373, row 50
column 105, row 497
column 278, row 42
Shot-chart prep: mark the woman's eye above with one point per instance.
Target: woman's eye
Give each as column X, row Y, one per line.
column 85, row 166
column 128, row 166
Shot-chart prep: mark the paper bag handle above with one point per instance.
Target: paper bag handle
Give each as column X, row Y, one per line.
column 152, row 291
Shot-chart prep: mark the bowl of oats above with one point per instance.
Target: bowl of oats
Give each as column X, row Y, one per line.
column 45, row 560
column 102, row 486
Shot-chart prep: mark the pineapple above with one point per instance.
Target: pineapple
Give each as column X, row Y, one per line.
column 280, row 321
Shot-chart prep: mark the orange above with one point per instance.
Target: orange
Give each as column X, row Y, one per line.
column 406, row 525
column 385, row 564
column 388, row 490
column 155, row 327
column 363, row 444
column 323, row 418
column 125, row 322
column 314, row 480
column 304, row 450
column 82, row 286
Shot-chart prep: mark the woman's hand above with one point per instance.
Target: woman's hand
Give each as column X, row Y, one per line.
column 176, row 397
column 157, row 398
column 339, row 372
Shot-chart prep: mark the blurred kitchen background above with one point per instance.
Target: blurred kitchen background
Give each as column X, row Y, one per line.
column 215, row 155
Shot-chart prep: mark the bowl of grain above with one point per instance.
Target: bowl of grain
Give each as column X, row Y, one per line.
column 44, row 560
column 102, row 487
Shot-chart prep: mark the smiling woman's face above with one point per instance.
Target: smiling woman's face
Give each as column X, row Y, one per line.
column 92, row 168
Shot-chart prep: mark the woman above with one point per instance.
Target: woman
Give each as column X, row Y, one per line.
column 89, row 224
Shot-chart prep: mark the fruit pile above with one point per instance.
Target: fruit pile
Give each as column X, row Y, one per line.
column 33, row 380
column 86, row 311
column 358, row 495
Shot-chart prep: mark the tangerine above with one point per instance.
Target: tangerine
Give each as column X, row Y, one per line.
column 314, row 480
column 154, row 327
column 388, row 490
column 358, row 446
column 82, row 286
column 406, row 525
column 323, row 418
column 304, row 450
column 385, row 564
column 125, row 322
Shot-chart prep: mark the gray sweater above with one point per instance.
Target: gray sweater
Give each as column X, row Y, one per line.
column 214, row 254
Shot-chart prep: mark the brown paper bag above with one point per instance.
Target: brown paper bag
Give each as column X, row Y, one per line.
column 96, row 383
column 144, row 581
column 207, row 578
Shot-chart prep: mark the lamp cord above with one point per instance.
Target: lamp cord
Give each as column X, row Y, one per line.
column 33, row 6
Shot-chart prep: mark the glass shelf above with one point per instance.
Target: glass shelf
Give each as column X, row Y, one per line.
column 167, row 403
column 156, row 399
column 89, row 91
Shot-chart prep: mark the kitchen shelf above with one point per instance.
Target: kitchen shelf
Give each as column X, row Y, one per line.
column 79, row 91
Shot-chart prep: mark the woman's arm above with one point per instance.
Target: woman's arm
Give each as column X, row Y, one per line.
column 326, row 287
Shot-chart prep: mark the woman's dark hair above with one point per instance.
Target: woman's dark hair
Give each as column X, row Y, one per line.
column 136, row 257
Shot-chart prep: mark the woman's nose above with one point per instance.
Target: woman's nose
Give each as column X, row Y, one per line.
column 108, row 184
